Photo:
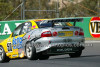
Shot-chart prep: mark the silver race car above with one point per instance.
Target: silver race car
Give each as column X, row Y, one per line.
column 54, row 37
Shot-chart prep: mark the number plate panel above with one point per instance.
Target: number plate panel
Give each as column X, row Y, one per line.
column 65, row 33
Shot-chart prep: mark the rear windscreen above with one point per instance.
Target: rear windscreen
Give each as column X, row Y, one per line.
column 42, row 24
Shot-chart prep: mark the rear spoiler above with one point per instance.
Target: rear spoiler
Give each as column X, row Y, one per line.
column 67, row 20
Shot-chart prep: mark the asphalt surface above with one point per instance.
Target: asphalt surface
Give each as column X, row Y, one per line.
column 90, row 58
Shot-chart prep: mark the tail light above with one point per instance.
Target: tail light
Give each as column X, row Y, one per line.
column 46, row 34
column 76, row 33
column 55, row 33
column 81, row 33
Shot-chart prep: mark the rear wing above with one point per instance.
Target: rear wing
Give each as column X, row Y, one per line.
column 67, row 20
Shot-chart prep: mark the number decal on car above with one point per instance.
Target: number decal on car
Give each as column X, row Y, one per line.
column 9, row 47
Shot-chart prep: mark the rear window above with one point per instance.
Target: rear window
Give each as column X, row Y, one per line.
column 42, row 24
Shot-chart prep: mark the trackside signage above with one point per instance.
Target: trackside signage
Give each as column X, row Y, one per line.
column 94, row 27
column 90, row 26
column 7, row 27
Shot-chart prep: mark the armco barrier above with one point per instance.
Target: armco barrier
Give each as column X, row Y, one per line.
column 90, row 26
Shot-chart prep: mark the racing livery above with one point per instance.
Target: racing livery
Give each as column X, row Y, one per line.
column 41, row 38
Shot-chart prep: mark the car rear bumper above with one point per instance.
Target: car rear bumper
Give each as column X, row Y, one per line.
column 59, row 44
column 64, row 50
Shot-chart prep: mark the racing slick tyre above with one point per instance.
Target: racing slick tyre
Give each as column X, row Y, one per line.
column 43, row 57
column 30, row 51
column 76, row 54
column 3, row 57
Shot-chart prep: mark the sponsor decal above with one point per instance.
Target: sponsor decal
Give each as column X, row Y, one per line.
column 34, row 26
column 94, row 27
column 17, row 43
column 14, row 55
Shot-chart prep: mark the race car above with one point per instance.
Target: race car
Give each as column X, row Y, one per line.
column 42, row 38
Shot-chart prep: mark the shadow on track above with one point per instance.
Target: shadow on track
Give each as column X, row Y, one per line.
column 90, row 56
column 58, row 57
column 76, row 57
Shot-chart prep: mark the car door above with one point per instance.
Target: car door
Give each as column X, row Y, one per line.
column 14, row 42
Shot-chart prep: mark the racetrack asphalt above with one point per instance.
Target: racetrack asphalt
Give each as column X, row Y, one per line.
column 90, row 58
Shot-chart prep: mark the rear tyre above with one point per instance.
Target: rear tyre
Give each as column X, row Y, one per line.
column 30, row 51
column 3, row 57
column 43, row 57
column 76, row 54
